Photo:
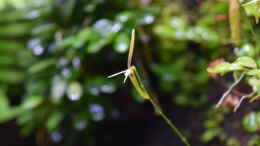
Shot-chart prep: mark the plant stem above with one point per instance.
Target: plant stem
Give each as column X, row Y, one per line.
column 229, row 90
column 159, row 111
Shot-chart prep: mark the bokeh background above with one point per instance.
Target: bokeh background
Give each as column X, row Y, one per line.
column 55, row 56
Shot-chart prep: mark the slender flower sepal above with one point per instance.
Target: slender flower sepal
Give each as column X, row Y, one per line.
column 126, row 73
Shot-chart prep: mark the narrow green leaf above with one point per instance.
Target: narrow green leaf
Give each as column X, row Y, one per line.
column 31, row 102
column 53, row 121
column 223, row 68
column 10, row 76
column 15, row 29
column 254, row 72
column 245, row 61
column 6, row 60
column 4, row 102
column 11, row 114
column 250, row 122
column 255, row 83
column 41, row 65
column 97, row 45
column 121, row 43
column 252, row 9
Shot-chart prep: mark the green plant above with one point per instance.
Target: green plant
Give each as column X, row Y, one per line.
column 246, row 66
column 53, row 54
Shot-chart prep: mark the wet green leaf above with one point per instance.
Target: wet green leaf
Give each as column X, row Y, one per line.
column 41, row 65
column 12, row 16
column 53, row 121
column 254, row 72
column 4, row 102
column 15, row 29
column 245, row 61
column 254, row 81
column 6, row 111
column 6, row 60
column 58, row 88
column 11, row 76
column 245, row 50
column 121, row 43
column 254, row 141
column 251, row 122
column 10, row 114
column 82, row 37
column 31, row 102
column 252, row 9
column 44, row 30
column 124, row 16
column 210, row 134
column 74, row 91
column 97, row 45
column 223, row 68
column 11, row 46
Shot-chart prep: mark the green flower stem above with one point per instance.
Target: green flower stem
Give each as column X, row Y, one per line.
column 138, row 85
column 168, row 121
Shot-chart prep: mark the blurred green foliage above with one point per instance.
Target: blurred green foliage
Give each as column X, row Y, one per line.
column 56, row 54
column 251, row 122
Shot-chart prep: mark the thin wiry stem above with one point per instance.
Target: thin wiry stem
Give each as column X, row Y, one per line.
column 113, row 75
column 254, row 98
column 229, row 90
column 168, row 121
column 243, row 98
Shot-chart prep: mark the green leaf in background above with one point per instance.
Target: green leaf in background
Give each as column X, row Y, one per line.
column 251, row 122
column 6, row 111
column 31, row 102
column 12, row 16
column 124, row 16
column 210, row 134
column 254, row 141
column 82, row 37
column 6, row 60
column 245, row 50
column 121, row 43
column 65, row 9
column 18, row 4
column 223, row 68
column 11, row 76
column 254, row 72
column 245, row 61
column 94, row 47
column 240, row 64
column 10, row 114
column 11, row 46
column 58, row 88
column 44, row 30
column 53, row 120
column 252, row 9
column 15, row 29
column 4, row 102
column 255, row 83
column 41, row 65
column 74, row 91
